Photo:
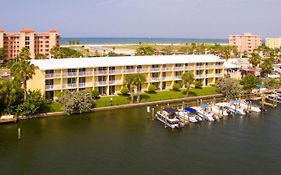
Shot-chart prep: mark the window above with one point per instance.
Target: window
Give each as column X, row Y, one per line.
column 71, row 81
column 111, row 90
column 49, row 95
column 82, row 79
column 82, row 69
column 49, row 82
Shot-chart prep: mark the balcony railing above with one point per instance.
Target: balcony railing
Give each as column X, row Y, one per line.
column 70, row 85
column 209, row 67
column 53, row 75
column 189, row 67
column 129, row 70
column 101, row 83
column 199, row 67
column 219, row 66
column 84, row 73
column 153, row 79
column 167, row 69
column 52, row 87
column 177, row 78
column 142, row 70
column 178, row 68
column 167, row 79
column 70, row 74
column 101, row 72
column 210, row 75
column 115, row 82
column 155, row 69
column 115, row 71
column 219, row 75
column 200, row 76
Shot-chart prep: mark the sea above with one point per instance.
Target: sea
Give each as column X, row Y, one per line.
column 105, row 40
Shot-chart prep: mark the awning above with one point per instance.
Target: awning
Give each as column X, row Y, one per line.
column 204, row 105
column 190, row 109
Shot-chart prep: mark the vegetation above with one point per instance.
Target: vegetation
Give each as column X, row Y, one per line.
column 76, row 102
column 145, row 50
column 133, row 82
column 198, row 84
column 2, row 55
column 151, row 88
column 249, row 82
column 124, row 91
column 176, row 87
column 65, row 52
column 228, row 87
column 187, row 80
column 73, row 42
column 95, row 94
column 270, row 83
column 255, row 59
column 266, row 66
column 41, row 56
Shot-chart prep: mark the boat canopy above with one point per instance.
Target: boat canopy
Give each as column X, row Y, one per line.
column 190, row 110
column 234, row 101
column 170, row 110
column 204, row 105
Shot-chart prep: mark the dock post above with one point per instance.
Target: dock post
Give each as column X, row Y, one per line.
column 19, row 134
column 148, row 111
column 152, row 114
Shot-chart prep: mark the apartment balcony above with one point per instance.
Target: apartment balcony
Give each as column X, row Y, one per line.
column 85, row 85
column 52, row 75
column 218, row 75
column 129, row 70
column 177, row 78
column 210, row 75
column 155, row 69
column 167, row 69
column 115, row 71
column 178, row 68
column 209, row 67
column 200, row 67
column 219, row 66
column 101, row 72
column 52, row 87
column 189, row 68
column 70, row 86
column 101, row 83
column 85, row 73
column 200, row 76
column 154, row 79
column 115, row 82
column 70, row 74
column 167, row 79
column 142, row 70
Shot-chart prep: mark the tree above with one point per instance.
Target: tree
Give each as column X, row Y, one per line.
column 2, row 55
column 95, row 94
column 151, row 88
column 228, row 87
column 142, row 51
column 176, row 87
column 255, row 60
column 270, row 83
column 130, row 84
column 24, row 54
column 41, row 56
column 139, row 79
column 198, row 84
column 34, row 104
column 249, row 82
column 226, row 53
column 266, row 66
column 124, row 90
column 76, row 102
column 55, row 51
column 187, row 80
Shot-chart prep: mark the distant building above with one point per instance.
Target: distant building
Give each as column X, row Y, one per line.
column 273, row 43
column 5, row 73
column 246, row 42
column 37, row 43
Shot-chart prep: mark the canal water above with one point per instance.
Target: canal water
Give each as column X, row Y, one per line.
column 127, row 142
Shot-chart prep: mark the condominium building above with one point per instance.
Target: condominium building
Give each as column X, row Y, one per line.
column 106, row 74
column 273, row 43
column 37, row 43
column 245, row 42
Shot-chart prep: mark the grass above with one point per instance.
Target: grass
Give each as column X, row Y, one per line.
column 53, row 107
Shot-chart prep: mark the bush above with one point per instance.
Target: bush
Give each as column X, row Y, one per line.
column 151, row 88
column 95, row 94
column 124, row 90
column 228, row 87
column 198, row 84
column 176, row 87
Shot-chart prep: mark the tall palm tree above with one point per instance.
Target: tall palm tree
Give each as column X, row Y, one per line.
column 187, row 80
column 266, row 66
column 22, row 71
column 139, row 79
column 129, row 81
column 255, row 60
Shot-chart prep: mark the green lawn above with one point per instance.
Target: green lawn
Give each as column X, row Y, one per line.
column 54, row 107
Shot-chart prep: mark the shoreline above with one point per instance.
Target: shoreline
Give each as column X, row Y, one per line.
column 172, row 101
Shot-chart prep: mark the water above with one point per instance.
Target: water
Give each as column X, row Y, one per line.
column 142, row 40
column 127, row 142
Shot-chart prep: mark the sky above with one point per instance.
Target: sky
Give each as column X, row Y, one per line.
column 144, row 18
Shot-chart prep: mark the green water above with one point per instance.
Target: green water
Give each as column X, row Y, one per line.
column 127, row 142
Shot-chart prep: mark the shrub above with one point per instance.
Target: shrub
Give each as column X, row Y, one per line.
column 198, row 84
column 176, row 87
column 95, row 94
column 124, row 90
column 228, row 87
column 151, row 88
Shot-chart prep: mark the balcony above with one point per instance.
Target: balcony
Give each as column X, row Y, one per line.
column 52, row 87
column 53, row 75
column 70, row 74
column 210, row 75
column 177, row 78
column 101, row 72
column 200, row 76
column 85, row 73
column 154, row 79
column 189, row 68
column 155, row 69
column 218, row 66
column 84, row 85
column 115, row 82
column 200, row 67
column 101, row 83
column 178, row 68
column 70, row 86
column 219, row 75
column 167, row 79
column 167, row 69
column 129, row 70
column 115, row 71
column 209, row 67
column 142, row 70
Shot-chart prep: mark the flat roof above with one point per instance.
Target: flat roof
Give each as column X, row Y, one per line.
column 74, row 63
column 228, row 65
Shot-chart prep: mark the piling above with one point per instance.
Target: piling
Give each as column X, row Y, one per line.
column 19, row 134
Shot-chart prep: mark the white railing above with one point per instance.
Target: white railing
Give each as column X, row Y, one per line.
column 199, row 67
column 219, row 75
column 167, row 69
column 71, row 85
column 219, row 66
column 178, row 68
column 52, row 87
column 209, row 67
column 53, row 75
column 210, row 75
column 101, row 72
column 189, row 67
column 154, row 79
column 85, row 73
column 155, row 69
column 101, row 83
column 177, row 78
column 115, row 71
column 142, row 70
column 167, row 79
column 70, row 74
column 129, row 70
column 200, row 76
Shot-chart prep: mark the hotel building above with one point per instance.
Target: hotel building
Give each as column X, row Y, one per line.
column 106, row 74
column 246, row 42
column 37, row 43
column 273, row 43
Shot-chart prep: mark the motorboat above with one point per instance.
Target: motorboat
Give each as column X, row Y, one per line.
column 168, row 117
column 204, row 114
column 232, row 108
column 192, row 115
column 7, row 119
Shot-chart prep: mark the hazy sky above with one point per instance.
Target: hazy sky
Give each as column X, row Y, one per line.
column 144, row 18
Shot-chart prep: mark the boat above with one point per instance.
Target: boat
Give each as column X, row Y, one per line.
column 204, row 114
column 249, row 106
column 192, row 115
column 168, row 117
column 8, row 119
column 219, row 110
column 232, row 108
column 188, row 116
column 274, row 97
column 210, row 112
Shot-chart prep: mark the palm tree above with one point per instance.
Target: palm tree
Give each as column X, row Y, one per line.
column 22, row 71
column 139, row 79
column 56, row 52
column 129, row 81
column 24, row 54
column 255, row 60
column 187, row 80
column 267, row 66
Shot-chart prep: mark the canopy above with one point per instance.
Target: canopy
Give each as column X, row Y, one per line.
column 190, row 109
column 204, row 105
column 234, row 101
column 170, row 110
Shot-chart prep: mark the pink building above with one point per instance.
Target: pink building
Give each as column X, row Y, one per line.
column 246, row 42
column 37, row 43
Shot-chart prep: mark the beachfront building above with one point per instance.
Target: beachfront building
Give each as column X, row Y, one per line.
column 273, row 43
column 246, row 42
column 106, row 74
column 37, row 43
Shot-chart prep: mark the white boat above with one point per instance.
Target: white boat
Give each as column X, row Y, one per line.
column 274, row 97
column 249, row 107
column 192, row 115
column 210, row 112
column 204, row 114
column 218, row 110
column 233, row 108
column 167, row 117
column 188, row 116
column 7, row 119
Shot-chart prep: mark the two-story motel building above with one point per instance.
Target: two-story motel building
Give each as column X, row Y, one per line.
column 106, row 74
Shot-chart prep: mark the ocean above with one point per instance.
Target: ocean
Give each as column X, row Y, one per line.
column 142, row 40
